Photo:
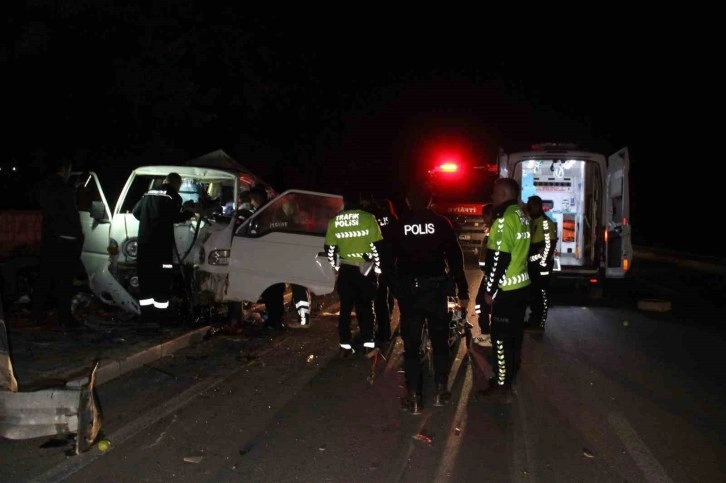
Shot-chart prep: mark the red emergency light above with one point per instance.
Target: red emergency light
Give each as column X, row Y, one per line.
column 448, row 167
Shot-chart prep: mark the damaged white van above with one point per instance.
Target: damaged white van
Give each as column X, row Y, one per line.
column 230, row 255
column 213, row 182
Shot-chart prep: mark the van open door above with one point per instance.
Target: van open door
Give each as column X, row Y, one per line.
column 618, row 243
column 502, row 164
column 272, row 247
column 95, row 220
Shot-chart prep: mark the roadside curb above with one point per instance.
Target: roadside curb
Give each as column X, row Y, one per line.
column 110, row 369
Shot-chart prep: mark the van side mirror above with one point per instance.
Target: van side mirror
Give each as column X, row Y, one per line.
column 98, row 212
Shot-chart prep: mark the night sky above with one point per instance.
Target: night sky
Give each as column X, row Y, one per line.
column 316, row 100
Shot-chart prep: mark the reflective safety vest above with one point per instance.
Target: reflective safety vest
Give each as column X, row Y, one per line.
column 352, row 233
column 542, row 244
column 510, row 233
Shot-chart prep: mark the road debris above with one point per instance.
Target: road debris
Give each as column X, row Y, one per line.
column 587, row 453
column 425, row 436
column 193, row 459
column 323, row 447
column 104, row 445
column 311, row 358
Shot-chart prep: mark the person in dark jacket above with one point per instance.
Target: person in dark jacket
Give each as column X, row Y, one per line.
column 426, row 258
column 61, row 244
column 157, row 211
column 541, row 260
column 384, row 302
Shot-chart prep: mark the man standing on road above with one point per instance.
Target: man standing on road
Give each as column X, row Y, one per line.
column 351, row 244
column 541, row 261
column 427, row 262
column 61, row 244
column 506, row 282
column 384, row 301
column 157, row 211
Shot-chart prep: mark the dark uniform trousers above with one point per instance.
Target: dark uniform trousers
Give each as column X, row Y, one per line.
column 484, row 309
column 507, row 333
column 538, row 294
column 355, row 291
column 155, row 271
column 427, row 302
column 59, row 260
column 274, row 300
column 383, row 305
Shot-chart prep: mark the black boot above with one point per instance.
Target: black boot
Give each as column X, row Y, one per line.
column 442, row 396
column 412, row 402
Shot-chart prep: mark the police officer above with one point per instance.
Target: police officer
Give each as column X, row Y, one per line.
column 157, row 211
column 506, row 281
column 351, row 244
column 541, row 261
column 426, row 258
column 384, row 302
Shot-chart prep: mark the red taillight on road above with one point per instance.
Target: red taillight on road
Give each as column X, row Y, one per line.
column 594, row 280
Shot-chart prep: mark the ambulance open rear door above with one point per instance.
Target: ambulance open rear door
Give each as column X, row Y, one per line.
column 618, row 243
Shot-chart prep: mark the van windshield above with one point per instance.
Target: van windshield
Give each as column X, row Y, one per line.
column 213, row 194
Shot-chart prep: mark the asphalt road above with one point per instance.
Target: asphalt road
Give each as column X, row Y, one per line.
column 610, row 393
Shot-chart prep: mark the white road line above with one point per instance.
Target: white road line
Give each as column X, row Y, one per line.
column 644, row 459
column 522, row 469
column 458, row 426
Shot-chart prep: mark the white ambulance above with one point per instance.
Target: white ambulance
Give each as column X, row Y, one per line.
column 587, row 195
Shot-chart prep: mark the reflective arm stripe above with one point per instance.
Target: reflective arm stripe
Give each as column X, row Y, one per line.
column 548, row 243
column 493, row 270
column 376, row 258
column 331, row 255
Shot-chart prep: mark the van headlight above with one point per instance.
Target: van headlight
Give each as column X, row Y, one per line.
column 218, row 257
column 131, row 247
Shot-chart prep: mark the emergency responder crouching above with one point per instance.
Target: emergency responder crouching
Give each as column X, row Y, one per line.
column 351, row 244
column 506, row 282
column 427, row 264
column 157, row 211
column 541, row 261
